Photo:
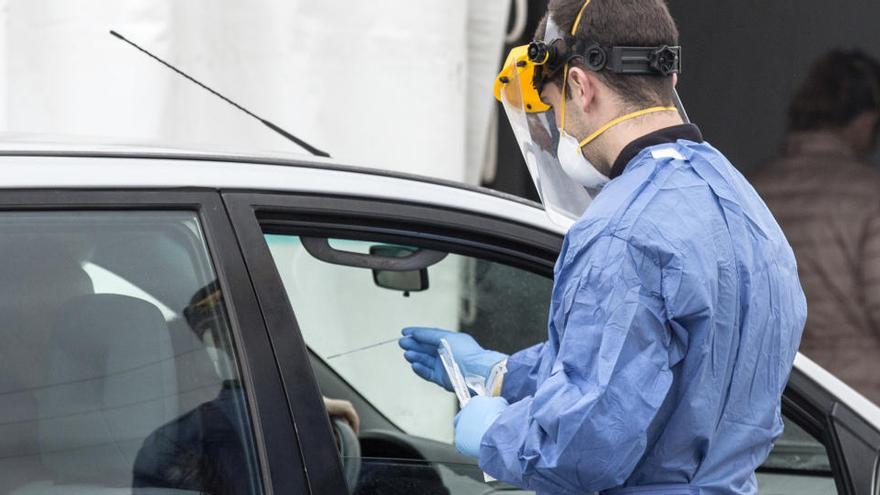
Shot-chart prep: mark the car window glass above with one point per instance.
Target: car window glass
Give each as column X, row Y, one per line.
column 798, row 464
column 118, row 370
column 341, row 309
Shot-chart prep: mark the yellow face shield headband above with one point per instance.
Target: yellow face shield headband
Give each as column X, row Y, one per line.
column 523, row 93
column 521, row 64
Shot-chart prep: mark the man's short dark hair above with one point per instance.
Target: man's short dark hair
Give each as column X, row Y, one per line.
column 840, row 86
column 621, row 23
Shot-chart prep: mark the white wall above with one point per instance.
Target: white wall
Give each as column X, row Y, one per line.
column 397, row 84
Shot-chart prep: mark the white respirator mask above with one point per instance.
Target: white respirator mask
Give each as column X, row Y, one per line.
column 569, row 151
column 576, row 165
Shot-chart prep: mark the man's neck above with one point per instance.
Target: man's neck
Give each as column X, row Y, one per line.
column 608, row 147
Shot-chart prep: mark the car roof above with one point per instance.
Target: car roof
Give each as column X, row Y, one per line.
column 87, row 166
column 70, row 166
column 861, row 405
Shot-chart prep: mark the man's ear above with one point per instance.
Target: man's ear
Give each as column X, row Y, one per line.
column 583, row 85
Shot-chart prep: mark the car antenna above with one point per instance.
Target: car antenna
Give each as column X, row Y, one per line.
column 308, row 147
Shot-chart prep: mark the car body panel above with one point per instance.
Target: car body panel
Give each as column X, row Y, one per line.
column 23, row 171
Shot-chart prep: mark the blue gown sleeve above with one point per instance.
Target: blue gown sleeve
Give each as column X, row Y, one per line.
column 585, row 427
column 521, row 377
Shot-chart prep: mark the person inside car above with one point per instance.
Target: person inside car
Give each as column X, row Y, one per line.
column 203, row 450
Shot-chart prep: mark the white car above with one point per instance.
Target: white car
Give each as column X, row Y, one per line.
column 169, row 321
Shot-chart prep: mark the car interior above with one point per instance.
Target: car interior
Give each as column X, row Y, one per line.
column 91, row 364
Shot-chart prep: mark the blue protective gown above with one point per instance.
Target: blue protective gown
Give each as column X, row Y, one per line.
column 675, row 320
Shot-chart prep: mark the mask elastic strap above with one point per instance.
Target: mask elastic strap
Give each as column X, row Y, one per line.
column 592, row 137
column 574, row 28
column 577, row 20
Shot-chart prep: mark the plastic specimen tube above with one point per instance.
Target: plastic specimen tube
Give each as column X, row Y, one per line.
column 459, row 385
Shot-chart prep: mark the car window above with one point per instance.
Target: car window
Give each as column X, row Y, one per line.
column 342, row 312
column 798, row 464
column 118, row 371
column 351, row 318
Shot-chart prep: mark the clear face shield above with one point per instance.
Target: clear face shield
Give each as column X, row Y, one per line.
column 534, row 123
column 535, row 128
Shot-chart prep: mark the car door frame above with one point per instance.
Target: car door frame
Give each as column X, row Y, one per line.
column 251, row 211
column 279, row 458
column 853, row 445
column 518, row 244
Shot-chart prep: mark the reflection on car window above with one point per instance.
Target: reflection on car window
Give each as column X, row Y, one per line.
column 107, row 282
column 798, row 464
column 109, row 379
column 798, row 450
column 341, row 309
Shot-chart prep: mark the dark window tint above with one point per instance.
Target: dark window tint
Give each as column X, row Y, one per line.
column 117, row 365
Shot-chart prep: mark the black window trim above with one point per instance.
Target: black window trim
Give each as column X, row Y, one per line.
column 821, row 414
column 528, row 246
column 279, row 459
column 875, row 484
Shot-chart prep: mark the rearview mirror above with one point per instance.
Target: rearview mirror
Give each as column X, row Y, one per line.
column 403, row 281
column 399, row 268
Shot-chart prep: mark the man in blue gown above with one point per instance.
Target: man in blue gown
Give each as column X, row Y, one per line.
column 676, row 311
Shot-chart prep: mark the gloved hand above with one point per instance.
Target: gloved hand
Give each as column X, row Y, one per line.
column 474, row 420
column 421, row 346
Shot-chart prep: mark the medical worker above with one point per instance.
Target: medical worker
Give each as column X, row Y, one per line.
column 676, row 310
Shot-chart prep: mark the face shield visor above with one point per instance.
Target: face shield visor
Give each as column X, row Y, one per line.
column 518, row 87
column 537, row 135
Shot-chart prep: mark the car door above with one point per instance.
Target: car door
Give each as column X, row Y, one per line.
column 134, row 356
column 316, row 259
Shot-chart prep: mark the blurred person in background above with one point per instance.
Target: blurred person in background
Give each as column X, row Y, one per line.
column 827, row 199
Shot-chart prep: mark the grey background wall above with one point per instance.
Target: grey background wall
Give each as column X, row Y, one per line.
column 745, row 59
column 742, row 62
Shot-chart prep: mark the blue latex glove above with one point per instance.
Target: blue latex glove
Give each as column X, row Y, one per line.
column 474, row 420
column 421, row 346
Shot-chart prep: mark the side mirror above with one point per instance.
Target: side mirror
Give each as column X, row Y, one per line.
column 403, row 281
